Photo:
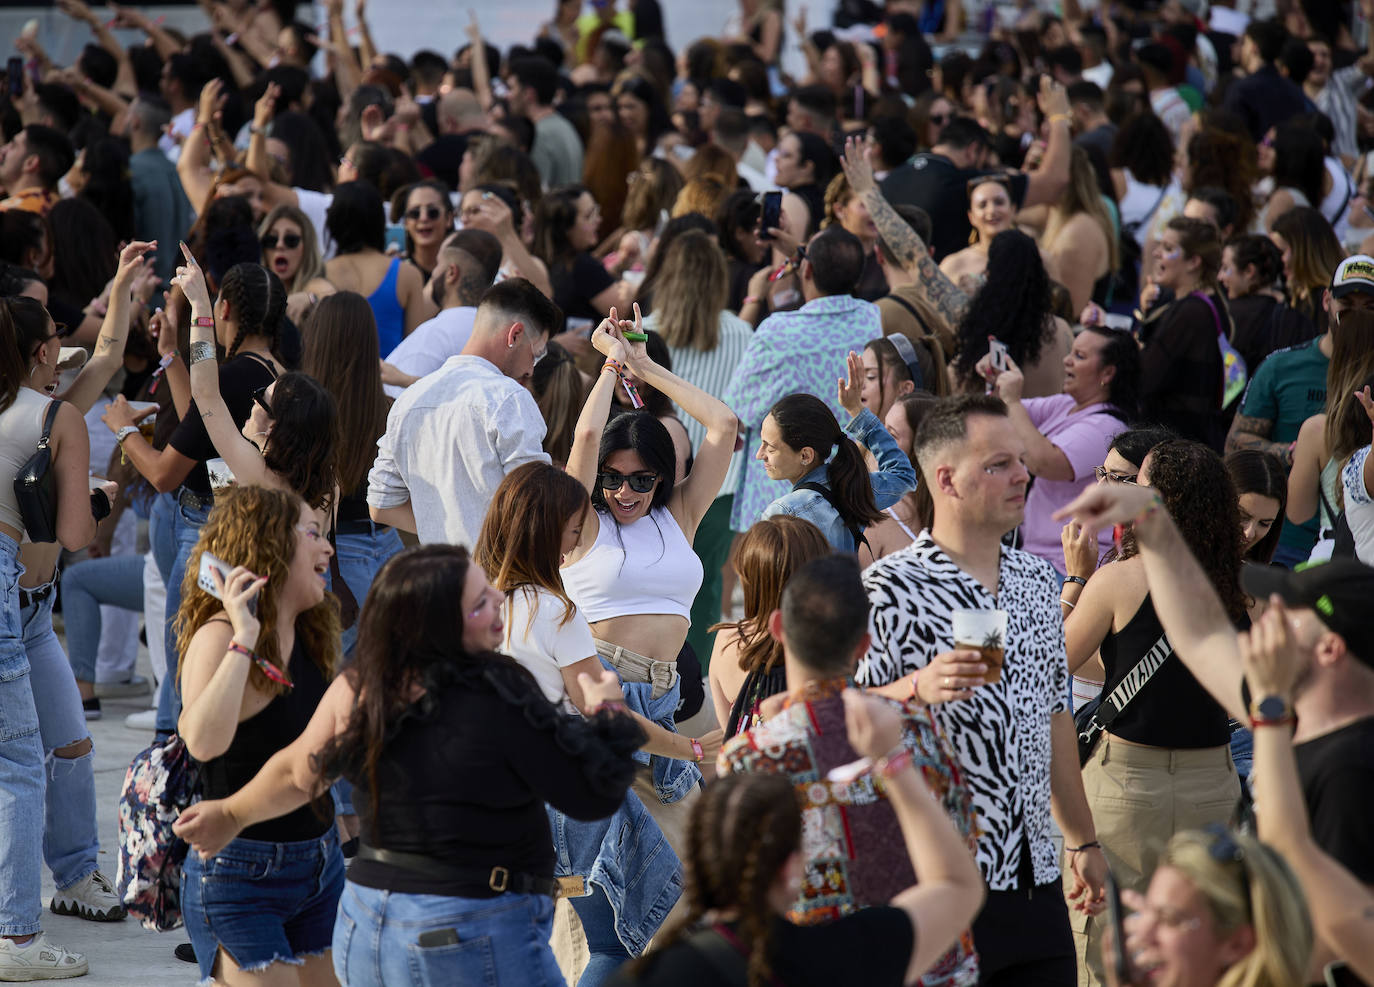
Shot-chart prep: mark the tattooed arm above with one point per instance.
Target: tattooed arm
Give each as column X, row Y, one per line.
column 1253, row 433
column 909, row 249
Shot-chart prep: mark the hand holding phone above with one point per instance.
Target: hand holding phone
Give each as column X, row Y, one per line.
column 770, row 217
column 235, row 587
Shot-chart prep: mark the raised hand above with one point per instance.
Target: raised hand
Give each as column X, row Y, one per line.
column 1080, row 550
column 1269, row 654
column 852, row 385
column 1053, row 99
column 1366, row 403
column 191, row 280
column 132, row 262
column 239, row 594
column 212, row 100
column 858, row 168
column 266, row 106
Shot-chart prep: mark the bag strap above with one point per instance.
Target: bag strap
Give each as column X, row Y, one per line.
column 854, row 530
column 49, row 418
column 910, row 308
column 1135, row 680
column 1326, row 504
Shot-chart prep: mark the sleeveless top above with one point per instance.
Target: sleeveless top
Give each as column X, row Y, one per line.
column 21, row 426
column 892, row 512
column 260, row 736
column 386, row 308
column 1299, row 199
column 1138, row 205
column 644, row 567
column 1172, row 710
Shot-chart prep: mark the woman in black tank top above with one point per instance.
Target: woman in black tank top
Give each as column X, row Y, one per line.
column 1163, row 763
column 258, row 654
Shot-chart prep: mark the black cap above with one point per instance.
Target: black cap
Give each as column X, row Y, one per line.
column 1339, row 591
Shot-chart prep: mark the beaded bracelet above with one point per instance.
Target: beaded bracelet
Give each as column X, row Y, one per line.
column 618, row 368
column 272, row 672
column 1150, row 510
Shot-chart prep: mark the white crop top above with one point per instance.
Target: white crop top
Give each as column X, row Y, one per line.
column 644, row 567
column 21, row 426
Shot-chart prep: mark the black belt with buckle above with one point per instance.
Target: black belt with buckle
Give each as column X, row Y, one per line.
column 359, row 526
column 188, row 498
column 28, row 598
column 468, row 882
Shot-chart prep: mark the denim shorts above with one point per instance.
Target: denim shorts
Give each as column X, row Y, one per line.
column 262, row 902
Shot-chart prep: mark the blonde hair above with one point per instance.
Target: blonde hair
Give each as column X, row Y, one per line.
column 1258, row 890
column 690, row 291
column 837, row 195
column 1082, row 195
column 312, row 265
column 703, row 195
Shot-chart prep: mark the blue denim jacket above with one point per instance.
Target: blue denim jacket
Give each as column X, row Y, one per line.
column 627, row 855
column 893, row 480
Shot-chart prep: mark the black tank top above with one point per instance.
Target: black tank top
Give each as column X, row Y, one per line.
column 1172, row 710
column 260, row 736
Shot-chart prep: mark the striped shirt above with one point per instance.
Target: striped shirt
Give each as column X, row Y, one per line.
column 1337, row 100
column 711, row 371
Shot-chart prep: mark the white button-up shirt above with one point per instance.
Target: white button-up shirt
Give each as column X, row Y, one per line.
column 450, row 440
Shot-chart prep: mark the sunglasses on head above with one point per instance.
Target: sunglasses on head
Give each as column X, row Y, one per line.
column 290, row 241
column 260, row 399
column 639, row 482
column 430, row 212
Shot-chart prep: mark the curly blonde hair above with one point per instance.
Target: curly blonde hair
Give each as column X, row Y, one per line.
column 256, row 528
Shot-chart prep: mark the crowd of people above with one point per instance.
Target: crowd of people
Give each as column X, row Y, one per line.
column 609, row 513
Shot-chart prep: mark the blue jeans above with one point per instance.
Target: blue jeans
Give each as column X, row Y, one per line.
column 1243, row 751
column 21, row 764
column 360, row 556
column 186, row 525
column 71, row 838
column 116, row 580
column 161, row 540
column 500, row 942
column 262, row 902
column 598, row 924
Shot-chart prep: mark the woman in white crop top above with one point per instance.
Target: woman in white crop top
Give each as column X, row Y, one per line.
column 633, row 572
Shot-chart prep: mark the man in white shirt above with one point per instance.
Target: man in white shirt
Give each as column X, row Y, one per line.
column 731, row 133
column 452, row 437
column 468, row 262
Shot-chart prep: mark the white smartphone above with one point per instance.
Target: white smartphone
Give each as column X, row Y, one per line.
column 998, row 349
column 205, row 580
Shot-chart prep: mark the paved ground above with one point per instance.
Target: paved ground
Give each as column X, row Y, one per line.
column 120, row 953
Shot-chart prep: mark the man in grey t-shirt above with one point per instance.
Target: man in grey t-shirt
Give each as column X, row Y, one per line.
column 557, row 151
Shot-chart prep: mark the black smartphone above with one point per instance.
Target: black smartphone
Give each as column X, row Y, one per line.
column 437, row 937
column 14, row 69
column 771, row 217
column 1121, row 965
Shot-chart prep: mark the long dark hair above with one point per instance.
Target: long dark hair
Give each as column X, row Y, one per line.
column 805, row 420
column 1299, row 159
column 257, row 299
column 23, row 325
column 356, row 218
column 648, row 437
column 1121, row 351
column 554, row 217
column 108, row 187
column 1254, row 471
column 341, row 352
column 85, row 251
column 1013, row 306
column 303, row 446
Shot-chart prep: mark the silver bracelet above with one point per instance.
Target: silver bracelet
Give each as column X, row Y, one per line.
column 201, row 350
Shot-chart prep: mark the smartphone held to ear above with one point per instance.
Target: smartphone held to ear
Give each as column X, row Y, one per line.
column 210, row 564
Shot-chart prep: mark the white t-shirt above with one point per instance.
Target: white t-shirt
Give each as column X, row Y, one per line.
column 431, row 344
column 316, row 205
column 538, row 640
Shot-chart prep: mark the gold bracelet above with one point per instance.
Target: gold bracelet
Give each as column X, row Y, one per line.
column 1060, row 116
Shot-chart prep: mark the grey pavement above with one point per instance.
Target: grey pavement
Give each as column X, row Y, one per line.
column 119, row 953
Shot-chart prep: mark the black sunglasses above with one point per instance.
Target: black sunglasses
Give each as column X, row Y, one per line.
column 260, row 399
column 290, row 241
column 430, row 212
column 939, row 119
column 639, row 482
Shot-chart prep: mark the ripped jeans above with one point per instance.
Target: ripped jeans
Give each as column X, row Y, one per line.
column 71, row 837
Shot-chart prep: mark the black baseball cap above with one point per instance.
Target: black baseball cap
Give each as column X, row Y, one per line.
column 1340, row 591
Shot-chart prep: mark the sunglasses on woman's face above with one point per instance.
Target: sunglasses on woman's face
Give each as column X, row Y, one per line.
column 290, row 241
column 431, row 213
column 639, row 482
column 260, row 399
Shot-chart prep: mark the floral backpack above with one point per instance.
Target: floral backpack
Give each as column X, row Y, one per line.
column 161, row 781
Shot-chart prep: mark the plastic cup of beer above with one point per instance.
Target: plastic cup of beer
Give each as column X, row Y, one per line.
column 147, row 425
column 984, row 631
column 221, row 476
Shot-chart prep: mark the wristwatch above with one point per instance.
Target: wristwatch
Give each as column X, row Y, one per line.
column 1270, row 711
column 124, row 433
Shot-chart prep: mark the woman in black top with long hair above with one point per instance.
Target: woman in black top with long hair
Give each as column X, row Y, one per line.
column 567, row 225
column 454, row 751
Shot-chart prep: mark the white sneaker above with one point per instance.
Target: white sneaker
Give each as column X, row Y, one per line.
column 39, row 959
column 92, row 898
column 147, row 720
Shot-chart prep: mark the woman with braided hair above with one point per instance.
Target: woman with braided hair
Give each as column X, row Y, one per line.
column 744, row 865
column 246, row 320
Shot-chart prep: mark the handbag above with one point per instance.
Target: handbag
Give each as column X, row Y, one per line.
column 161, row 781
column 1094, row 720
column 1233, row 369
column 35, row 486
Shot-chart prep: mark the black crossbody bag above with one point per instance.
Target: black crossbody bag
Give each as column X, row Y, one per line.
column 35, row 486
column 1094, row 718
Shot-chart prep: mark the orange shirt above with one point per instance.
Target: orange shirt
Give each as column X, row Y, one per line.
column 39, row 200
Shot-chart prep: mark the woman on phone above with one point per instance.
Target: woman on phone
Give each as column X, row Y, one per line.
column 453, row 751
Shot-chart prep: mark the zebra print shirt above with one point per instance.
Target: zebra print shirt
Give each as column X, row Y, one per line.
column 1001, row 736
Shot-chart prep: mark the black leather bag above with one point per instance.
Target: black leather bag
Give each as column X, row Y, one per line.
column 35, row 486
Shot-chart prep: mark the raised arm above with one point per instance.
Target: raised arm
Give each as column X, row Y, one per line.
column 909, row 249
column 258, row 161
column 132, row 17
column 348, row 73
column 193, row 165
column 1043, row 458
column 1046, row 183
column 215, row 668
column 125, row 84
column 114, row 331
column 1183, row 596
column 367, row 51
column 582, row 458
column 894, row 477
column 477, row 62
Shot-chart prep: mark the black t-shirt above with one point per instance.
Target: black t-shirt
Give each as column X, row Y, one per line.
column 1181, row 370
column 238, row 379
column 1263, row 324
column 444, row 157
column 1337, row 772
column 576, row 284
column 937, row 185
column 872, row 946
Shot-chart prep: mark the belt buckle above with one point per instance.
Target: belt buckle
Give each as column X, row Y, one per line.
column 499, row 880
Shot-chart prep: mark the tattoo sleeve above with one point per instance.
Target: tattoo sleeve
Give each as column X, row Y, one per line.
column 911, row 252
column 1253, row 433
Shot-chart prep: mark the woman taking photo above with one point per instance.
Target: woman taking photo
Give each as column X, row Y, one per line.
column 565, row 231
column 916, row 510
column 990, row 211
column 427, row 216
column 1168, row 752
column 746, row 662
column 393, row 287
column 341, row 354
column 1311, row 253
column 1068, row 435
column 256, row 658
column 291, row 251
column 653, row 188
column 838, row 495
column 453, row 751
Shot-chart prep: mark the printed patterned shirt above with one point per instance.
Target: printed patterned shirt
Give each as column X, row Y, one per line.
column 1001, row 735
column 792, row 352
column 856, row 856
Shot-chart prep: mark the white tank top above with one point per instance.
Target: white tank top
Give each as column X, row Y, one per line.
column 644, row 567
column 21, row 426
column 1336, row 205
column 1138, row 205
